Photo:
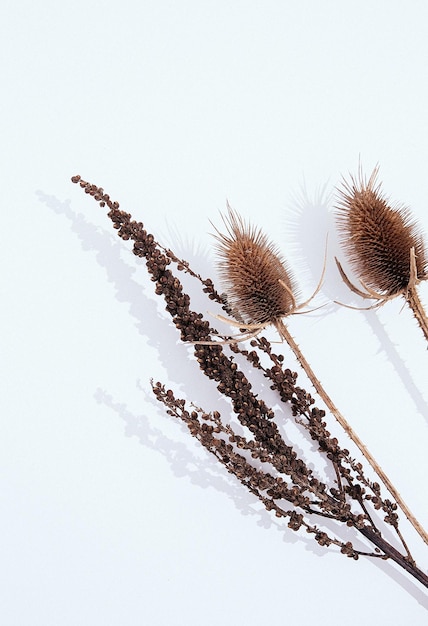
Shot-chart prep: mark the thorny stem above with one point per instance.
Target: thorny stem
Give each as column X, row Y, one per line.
column 414, row 302
column 284, row 332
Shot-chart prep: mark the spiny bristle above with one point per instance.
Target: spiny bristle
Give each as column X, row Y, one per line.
column 253, row 273
column 378, row 237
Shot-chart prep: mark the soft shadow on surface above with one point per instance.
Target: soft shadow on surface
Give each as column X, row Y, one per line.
column 308, row 221
column 152, row 325
column 206, row 472
column 203, row 471
column 162, row 335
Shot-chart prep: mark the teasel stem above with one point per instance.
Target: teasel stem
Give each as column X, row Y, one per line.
column 413, row 299
column 414, row 302
column 286, row 335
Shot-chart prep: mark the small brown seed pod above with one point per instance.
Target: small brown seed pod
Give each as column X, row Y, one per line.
column 383, row 243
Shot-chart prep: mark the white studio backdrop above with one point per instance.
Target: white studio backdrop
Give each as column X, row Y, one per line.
column 110, row 512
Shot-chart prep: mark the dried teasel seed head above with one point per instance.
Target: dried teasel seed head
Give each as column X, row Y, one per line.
column 259, row 287
column 378, row 237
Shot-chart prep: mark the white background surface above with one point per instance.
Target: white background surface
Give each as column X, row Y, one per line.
column 110, row 513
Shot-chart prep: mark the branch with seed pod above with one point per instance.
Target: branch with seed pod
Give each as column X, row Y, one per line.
column 384, row 245
column 208, row 429
column 289, row 477
column 260, row 293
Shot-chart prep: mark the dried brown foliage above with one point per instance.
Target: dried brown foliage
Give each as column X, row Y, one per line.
column 262, row 461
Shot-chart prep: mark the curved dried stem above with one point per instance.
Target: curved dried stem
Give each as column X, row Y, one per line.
column 249, row 332
column 294, row 306
column 368, row 294
column 412, row 296
column 320, row 282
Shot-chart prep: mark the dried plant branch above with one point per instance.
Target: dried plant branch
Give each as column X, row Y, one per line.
column 261, row 292
column 384, row 245
column 267, row 488
column 274, row 473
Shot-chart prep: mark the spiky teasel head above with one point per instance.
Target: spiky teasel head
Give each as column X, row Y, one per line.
column 378, row 238
column 259, row 287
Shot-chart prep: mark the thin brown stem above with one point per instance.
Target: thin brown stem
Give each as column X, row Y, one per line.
column 393, row 554
column 414, row 302
column 284, row 332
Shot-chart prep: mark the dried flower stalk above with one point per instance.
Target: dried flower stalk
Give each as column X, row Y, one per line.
column 351, row 502
column 384, row 245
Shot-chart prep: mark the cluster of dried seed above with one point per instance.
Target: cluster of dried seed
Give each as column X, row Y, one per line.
column 269, row 489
